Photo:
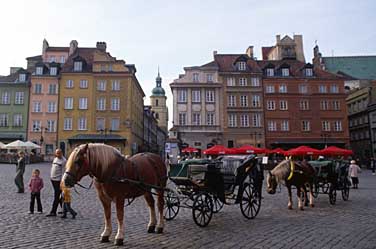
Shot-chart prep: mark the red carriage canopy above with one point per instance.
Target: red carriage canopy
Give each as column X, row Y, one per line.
column 189, row 150
column 302, row 151
column 335, row 151
column 249, row 149
column 218, row 150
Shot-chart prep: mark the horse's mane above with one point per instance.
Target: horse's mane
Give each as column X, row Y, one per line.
column 281, row 170
column 102, row 157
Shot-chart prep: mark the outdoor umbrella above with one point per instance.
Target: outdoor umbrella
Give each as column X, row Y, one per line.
column 2, row 145
column 15, row 145
column 249, row 149
column 218, row 150
column 31, row 145
column 335, row 151
column 302, row 151
column 189, row 150
column 278, row 151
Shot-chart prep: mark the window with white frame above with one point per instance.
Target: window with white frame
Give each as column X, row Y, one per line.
column 325, row 125
column 256, row 120
column 77, row 67
column 285, row 125
column 17, row 120
column 244, row 120
column 103, row 68
column 68, row 103
column 324, row 105
column 53, row 71
column 270, row 72
column 336, row 105
column 51, row 126
column 272, row 126
column 68, row 124
column 101, row 85
column 22, row 77
column 52, row 89
column 196, row 96
column 84, row 84
column 110, row 67
column 196, row 118
column 242, row 81
column 270, row 105
column 19, row 98
column 244, row 101
column 182, row 96
column 69, row 84
column 303, row 89
column 37, row 125
column 209, row 78
column 115, row 124
column 282, row 88
column 232, row 120
column 37, row 106
column 101, row 104
column 285, row 72
column 283, row 105
column 210, row 118
column 115, row 85
column 256, row 101
column 39, row 71
column 210, row 96
column 334, row 89
column 82, row 123
column 309, row 72
column 304, row 105
column 322, row 89
column 37, row 88
column 51, row 107
column 115, row 104
column 62, row 59
column 242, row 65
column 338, row 125
column 270, row 89
column 231, row 81
column 182, row 118
column 255, row 81
column 82, row 103
column 5, row 98
column 306, row 125
column 52, row 58
column 100, row 124
column 195, row 77
column 231, row 100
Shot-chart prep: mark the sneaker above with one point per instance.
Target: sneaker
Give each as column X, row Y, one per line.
column 40, row 212
column 31, row 212
column 60, row 212
column 51, row 215
column 74, row 216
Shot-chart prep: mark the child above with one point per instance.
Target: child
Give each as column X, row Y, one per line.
column 66, row 202
column 35, row 186
column 353, row 173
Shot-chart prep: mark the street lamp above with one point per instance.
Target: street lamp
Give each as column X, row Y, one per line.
column 41, row 129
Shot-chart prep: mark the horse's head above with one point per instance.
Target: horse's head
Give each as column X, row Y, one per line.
column 77, row 166
column 271, row 183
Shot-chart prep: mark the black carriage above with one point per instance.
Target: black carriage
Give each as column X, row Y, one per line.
column 206, row 185
column 331, row 176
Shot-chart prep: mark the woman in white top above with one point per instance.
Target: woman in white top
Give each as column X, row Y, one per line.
column 353, row 173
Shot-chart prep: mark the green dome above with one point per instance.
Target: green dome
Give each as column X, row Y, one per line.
column 158, row 91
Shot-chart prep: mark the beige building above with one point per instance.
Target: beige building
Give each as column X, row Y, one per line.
column 284, row 48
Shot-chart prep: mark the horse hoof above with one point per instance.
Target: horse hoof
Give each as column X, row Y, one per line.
column 160, row 230
column 312, row 205
column 105, row 239
column 290, row 207
column 151, row 229
column 119, row 242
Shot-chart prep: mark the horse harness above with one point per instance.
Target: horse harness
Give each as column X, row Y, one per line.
column 293, row 170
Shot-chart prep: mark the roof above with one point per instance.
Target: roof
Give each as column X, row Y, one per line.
column 58, row 49
column 266, row 51
column 360, row 67
column 14, row 78
column 36, row 57
column 97, row 137
column 85, row 53
column 226, row 63
column 158, row 91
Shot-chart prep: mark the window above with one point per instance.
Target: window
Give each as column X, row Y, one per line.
column 37, row 124
column 195, row 77
column 157, row 103
column 210, row 96
column 157, row 115
column 241, row 65
column 272, row 126
column 285, row 125
column 115, row 124
column 68, row 103
column 62, row 59
column 309, row 72
column 101, row 104
column 306, row 125
column 69, row 84
column 82, row 123
column 270, row 105
column 103, row 68
column 5, row 98
column 38, row 88
column 336, row 105
column 100, row 124
column 51, row 126
column 244, row 120
column 322, row 89
column 256, row 101
column 182, row 118
column 256, row 120
column 196, row 96
column 325, row 125
column 210, row 118
column 196, row 119
column 304, row 105
column 52, row 89
column 37, row 107
column 242, row 81
column 115, row 85
column 68, row 124
column 83, row 84
column 53, row 70
column 255, row 81
column 283, row 105
column 101, row 85
column 270, row 89
column 231, row 101
column 110, row 67
column 303, row 89
column 209, row 77
column 285, row 72
column 82, row 103
column 19, row 98
column 52, row 58
column 51, row 107
column 77, row 66
column 22, row 77
column 182, row 96
column 39, row 71
column 337, row 125
column 115, row 104
column 243, row 101
column 232, row 120
column 49, row 149
column 324, row 105
column 270, row 72
column 334, row 89
column 231, row 82
column 283, row 88
column 17, row 120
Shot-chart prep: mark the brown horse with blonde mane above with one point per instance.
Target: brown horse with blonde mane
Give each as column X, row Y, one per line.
column 117, row 178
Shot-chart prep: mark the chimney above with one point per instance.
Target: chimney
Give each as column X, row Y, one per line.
column 14, row 69
column 101, row 46
column 45, row 46
column 249, row 51
column 215, row 52
column 73, row 46
column 298, row 39
column 278, row 38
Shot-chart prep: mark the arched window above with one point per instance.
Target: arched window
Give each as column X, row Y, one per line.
column 157, row 115
column 156, row 102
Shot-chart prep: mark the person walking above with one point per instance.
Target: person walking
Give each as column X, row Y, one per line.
column 373, row 166
column 57, row 170
column 66, row 196
column 20, row 170
column 35, row 186
column 354, row 169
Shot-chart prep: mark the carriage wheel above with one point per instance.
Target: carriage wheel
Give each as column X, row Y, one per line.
column 332, row 194
column 217, row 204
column 202, row 209
column 172, row 205
column 251, row 201
column 346, row 190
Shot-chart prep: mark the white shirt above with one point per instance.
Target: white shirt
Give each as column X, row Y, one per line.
column 57, row 169
column 354, row 170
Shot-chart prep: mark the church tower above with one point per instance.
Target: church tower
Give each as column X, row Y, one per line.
column 158, row 104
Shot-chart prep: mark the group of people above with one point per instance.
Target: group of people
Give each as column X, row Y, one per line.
column 62, row 194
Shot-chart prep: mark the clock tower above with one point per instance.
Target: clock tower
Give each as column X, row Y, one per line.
column 158, row 103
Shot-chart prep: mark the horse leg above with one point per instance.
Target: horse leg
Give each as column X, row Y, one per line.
column 106, row 203
column 311, row 195
column 305, row 196
column 289, row 205
column 160, row 204
column 119, row 238
column 153, row 220
column 298, row 193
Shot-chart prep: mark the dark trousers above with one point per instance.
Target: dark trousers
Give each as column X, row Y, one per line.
column 19, row 182
column 67, row 208
column 57, row 193
column 32, row 202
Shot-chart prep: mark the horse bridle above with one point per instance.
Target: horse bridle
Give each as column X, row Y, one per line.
column 78, row 167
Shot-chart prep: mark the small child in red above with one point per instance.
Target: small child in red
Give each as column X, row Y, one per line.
column 35, row 186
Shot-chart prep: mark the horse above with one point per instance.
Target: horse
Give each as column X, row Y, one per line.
column 292, row 173
column 117, row 178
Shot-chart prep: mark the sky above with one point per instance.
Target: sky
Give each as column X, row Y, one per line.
column 176, row 34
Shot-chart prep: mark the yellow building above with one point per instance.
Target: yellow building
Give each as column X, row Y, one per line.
column 100, row 101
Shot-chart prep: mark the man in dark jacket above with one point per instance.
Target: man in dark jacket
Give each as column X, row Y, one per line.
column 20, row 170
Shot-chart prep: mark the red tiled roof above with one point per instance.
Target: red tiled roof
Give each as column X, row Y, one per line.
column 265, row 52
column 86, row 53
column 210, row 64
column 58, row 49
column 226, row 63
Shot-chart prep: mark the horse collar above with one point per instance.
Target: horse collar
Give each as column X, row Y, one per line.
column 292, row 166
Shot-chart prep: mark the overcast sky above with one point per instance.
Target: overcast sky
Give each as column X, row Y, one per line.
column 175, row 34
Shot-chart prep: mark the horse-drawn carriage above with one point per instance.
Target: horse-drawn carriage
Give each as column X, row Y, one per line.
column 206, row 185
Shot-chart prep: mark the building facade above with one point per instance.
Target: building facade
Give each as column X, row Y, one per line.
column 150, row 131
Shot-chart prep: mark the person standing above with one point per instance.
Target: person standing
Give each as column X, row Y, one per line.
column 20, row 170
column 57, row 170
column 67, row 202
column 35, row 185
column 373, row 165
column 353, row 173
